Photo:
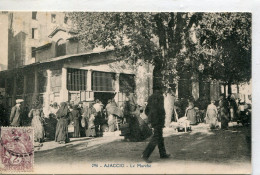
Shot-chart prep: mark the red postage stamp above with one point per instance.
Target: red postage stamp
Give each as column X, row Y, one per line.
column 17, row 149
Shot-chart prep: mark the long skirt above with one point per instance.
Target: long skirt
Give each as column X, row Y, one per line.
column 224, row 117
column 211, row 119
column 191, row 115
column 38, row 129
column 62, row 131
column 91, row 132
column 135, row 130
column 76, row 128
column 139, row 129
column 111, row 123
column 50, row 127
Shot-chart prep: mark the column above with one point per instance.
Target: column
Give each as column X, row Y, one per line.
column 117, row 82
column 90, row 93
column 36, row 84
column 64, row 92
column 24, row 85
column 117, row 87
column 47, row 93
column 89, row 80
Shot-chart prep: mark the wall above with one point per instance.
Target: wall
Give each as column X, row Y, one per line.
column 23, row 22
column 46, row 53
column 4, row 41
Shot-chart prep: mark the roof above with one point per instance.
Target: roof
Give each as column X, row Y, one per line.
column 71, row 56
column 60, row 58
column 61, row 29
column 43, row 46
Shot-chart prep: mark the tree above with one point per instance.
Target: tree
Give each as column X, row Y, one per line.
column 157, row 38
column 177, row 44
column 227, row 36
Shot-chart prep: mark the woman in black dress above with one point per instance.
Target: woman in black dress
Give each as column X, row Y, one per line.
column 63, row 115
column 75, row 118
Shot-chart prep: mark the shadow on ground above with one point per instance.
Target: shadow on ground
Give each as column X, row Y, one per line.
column 231, row 146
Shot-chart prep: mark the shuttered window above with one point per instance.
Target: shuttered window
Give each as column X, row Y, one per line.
column 103, row 81
column 76, row 79
column 56, row 81
column 127, row 82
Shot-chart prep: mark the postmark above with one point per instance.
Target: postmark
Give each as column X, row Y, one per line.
column 17, row 154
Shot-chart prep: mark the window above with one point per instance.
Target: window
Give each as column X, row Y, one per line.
column 34, row 15
column 76, row 79
column 53, row 18
column 33, row 52
column 61, row 48
column 65, row 19
column 103, row 81
column 34, row 33
column 127, row 82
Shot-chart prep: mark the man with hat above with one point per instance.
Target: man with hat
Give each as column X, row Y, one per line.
column 156, row 116
column 16, row 113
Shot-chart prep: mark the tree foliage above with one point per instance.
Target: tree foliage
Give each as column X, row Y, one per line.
column 212, row 45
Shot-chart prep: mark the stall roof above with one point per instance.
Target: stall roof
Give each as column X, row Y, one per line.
column 61, row 58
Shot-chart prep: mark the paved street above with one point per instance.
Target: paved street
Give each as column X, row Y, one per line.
column 201, row 151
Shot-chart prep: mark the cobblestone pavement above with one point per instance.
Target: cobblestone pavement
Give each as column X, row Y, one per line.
column 199, row 151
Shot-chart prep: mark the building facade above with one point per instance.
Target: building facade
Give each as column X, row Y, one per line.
column 47, row 61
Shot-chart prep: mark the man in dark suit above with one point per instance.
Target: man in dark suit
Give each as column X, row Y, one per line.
column 156, row 117
column 15, row 117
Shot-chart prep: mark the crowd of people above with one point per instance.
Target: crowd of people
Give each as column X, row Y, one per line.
column 86, row 119
column 91, row 118
column 211, row 112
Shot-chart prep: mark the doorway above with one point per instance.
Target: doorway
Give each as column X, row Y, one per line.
column 104, row 96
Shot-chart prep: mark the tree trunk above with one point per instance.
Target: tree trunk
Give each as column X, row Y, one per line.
column 168, row 107
column 229, row 88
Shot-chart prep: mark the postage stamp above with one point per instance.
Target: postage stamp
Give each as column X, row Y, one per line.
column 17, row 149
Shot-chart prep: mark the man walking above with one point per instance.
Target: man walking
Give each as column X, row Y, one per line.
column 156, row 116
column 16, row 113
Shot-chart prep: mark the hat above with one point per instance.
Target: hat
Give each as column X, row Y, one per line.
column 19, row 100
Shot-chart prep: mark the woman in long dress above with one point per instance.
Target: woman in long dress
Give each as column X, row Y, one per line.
column 134, row 118
column 75, row 115
column 211, row 115
column 36, row 114
column 89, row 116
column 63, row 115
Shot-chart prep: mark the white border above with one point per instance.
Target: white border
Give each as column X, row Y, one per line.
column 167, row 5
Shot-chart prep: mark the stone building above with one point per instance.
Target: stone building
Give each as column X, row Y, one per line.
column 46, row 60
